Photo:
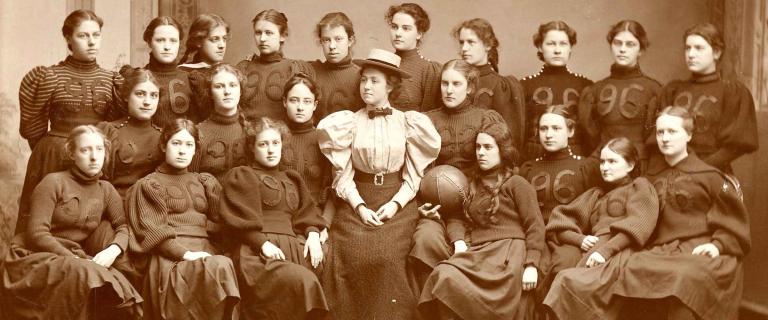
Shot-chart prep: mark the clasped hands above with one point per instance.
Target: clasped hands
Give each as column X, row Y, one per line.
column 378, row 217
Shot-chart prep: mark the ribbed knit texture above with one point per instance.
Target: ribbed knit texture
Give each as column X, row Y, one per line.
column 301, row 153
column 176, row 98
column 135, row 151
column 68, row 94
column 197, row 82
column 222, row 145
column 339, row 87
column 506, row 96
column 66, row 208
column 421, row 92
column 262, row 96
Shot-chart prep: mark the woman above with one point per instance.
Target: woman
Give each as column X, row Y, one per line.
column 701, row 238
column 171, row 212
column 222, row 142
column 267, row 71
column 479, row 47
column 206, row 46
column 134, row 139
column 55, row 269
column 608, row 223
column 625, row 103
column 74, row 92
column 269, row 208
column 339, row 76
column 379, row 155
column 726, row 126
column 554, row 84
column 491, row 278
column 408, row 22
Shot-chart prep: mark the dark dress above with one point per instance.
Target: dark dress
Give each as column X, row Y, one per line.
column 420, row 92
column 505, row 95
column 301, row 153
column 176, row 97
column 197, row 73
column 266, row 204
column 134, row 152
column 339, row 86
column 222, row 145
column 262, row 94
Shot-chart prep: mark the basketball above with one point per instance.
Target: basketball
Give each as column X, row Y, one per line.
column 444, row 185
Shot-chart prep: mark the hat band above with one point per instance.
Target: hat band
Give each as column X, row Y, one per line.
column 384, row 62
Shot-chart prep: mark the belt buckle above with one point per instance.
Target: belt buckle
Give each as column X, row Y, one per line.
column 378, row 179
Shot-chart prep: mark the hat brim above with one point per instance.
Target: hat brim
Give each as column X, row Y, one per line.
column 370, row 63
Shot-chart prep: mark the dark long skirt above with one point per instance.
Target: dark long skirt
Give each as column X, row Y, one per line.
column 277, row 289
column 48, row 156
column 201, row 289
column 430, row 246
column 365, row 276
column 485, row 282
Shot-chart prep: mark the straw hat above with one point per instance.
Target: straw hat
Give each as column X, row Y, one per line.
column 383, row 59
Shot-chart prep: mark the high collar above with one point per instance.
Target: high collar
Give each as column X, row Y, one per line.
column 269, row 58
column 485, row 69
column 622, row 72
column 156, row 66
column 462, row 108
column 258, row 166
column 408, row 54
column 136, row 123
column 344, row 63
column 559, row 154
column 704, row 78
column 81, row 65
column 169, row 169
column 301, row 127
column 222, row 119
column 384, row 106
column 690, row 164
column 82, row 178
column 553, row 70
column 622, row 182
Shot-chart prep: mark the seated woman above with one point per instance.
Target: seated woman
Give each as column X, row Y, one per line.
column 492, row 278
column 268, row 208
column 608, row 223
column 54, row 270
column 692, row 264
column 171, row 212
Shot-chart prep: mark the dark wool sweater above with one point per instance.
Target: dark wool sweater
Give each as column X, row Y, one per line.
column 222, row 145
column 135, row 151
column 68, row 94
column 197, row 82
column 421, row 92
column 628, row 213
column 301, row 153
column 550, row 86
column 258, row 200
column 66, row 208
column 726, row 125
column 262, row 95
column 697, row 200
column 504, row 95
column 176, row 98
column 339, row 87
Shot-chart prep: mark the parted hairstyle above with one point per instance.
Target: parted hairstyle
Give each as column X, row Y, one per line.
column 689, row 123
column 419, row 15
column 176, row 125
column 149, row 32
column 70, row 145
column 484, row 31
column 276, row 17
column 393, row 80
column 560, row 110
column 255, row 127
column 538, row 37
column 633, row 27
column 335, row 19
column 626, row 149
column 710, row 33
column 74, row 19
column 216, row 69
column 301, row 78
column 470, row 73
column 134, row 76
column 198, row 32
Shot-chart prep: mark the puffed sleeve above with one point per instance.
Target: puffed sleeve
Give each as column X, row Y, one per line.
column 197, row 85
column 516, row 113
column 430, row 80
column 240, row 206
column 335, row 135
column 569, row 223
column 532, row 221
column 148, row 218
column 588, row 119
column 110, row 131
column 737, row 133
column 116, row 215
column 303, row 67
column 119, row 107
column 642, row 212
column 309, row 217
column 422, row 145
column 34, row 94
column 42, row 205
column 212, row 189
column 729, row 219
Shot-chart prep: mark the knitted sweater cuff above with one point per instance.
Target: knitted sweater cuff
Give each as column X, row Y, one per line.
column 171, row 248
column 571, row 237
column 532, row 257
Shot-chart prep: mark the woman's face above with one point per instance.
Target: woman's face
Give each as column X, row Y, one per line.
column 613, row 167
column 453, row 87
column 268, row 148
column 215, row 45
column 403, row 32
column 225, row 91
column 487, row 152
column 267, row 36
column 180, row 149
column 142, row 102
column 89, row 153
column 164, row 44
column 336, row 43
column 700, row 57
column 373, row 87
column 671, row 137
column 85, row 41
column 471, row 48
column 553, row 132
column 626, row 49
column 556, row 48
column 300, row 103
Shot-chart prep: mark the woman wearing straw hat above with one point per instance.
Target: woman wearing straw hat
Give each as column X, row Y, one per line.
column 379, row 155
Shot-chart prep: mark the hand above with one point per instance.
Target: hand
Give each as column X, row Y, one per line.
column 595, row 259
column 194, row 255
column 530, row 278
column 387, row 211
column 106, row 257
column 271, row 251
column 368, row 216
column 314, row 249
column 707, row 249
column 324, row 236
column 459, row 246
column 588, row 242
column 429, row 213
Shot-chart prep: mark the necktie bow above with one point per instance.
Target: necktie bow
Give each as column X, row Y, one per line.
column 379, row 112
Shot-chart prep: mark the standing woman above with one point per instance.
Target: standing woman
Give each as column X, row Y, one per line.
column 269, row 208
column 554, row 84
column 479, row 47
column 268, row 71
column 222, row 141
column 625, row 103
column 54, row 269
column 339, row 76
column 171, row 212
column 726, row 125
column 408, row 23
column 379, row 155
column 491, row 278
column 74, row 92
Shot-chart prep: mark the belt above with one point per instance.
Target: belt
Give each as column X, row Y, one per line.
column 378, row 179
